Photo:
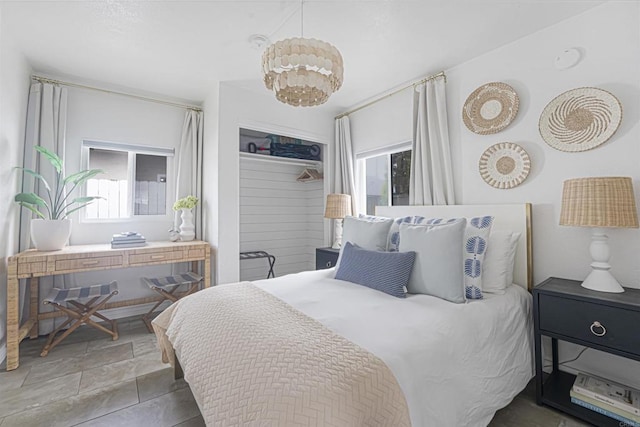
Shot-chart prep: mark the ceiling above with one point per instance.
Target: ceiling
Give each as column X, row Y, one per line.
column 183, row 49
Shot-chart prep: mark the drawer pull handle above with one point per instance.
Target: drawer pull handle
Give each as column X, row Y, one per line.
column 90, row 262
column 602, row 330
column 328, row 264
column 157, row 256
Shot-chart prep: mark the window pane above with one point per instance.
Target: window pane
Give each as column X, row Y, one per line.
column 150, row 193
column 111, row 185
column 377, row 182
column 400, row 172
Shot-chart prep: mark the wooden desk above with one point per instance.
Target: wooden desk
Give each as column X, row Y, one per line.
column 33, row 264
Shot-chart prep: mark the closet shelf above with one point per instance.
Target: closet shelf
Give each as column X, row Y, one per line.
column 283, row 160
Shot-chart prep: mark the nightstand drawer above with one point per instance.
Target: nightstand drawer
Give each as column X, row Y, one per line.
column 599, row 324
column 326, row 258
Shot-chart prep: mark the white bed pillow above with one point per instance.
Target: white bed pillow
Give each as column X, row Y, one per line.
column 368, row 233
column 436, row 270
column 497, row 271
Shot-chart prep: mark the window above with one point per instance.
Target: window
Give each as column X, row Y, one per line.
column 134, row 182
column 387, row 179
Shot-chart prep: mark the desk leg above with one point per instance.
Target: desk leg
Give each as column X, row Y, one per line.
column 34, row 299
column 13, row 313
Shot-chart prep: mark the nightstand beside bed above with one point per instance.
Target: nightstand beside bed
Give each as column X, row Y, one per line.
column 326, row 258
column 563, row 310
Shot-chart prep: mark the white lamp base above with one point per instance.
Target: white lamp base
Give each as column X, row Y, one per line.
column 600, row 279
column 337, row 234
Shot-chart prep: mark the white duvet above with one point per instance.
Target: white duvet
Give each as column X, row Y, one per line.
column 456, row 363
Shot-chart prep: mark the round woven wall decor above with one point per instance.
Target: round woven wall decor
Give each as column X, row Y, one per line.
column 504, row 165
column 580, row 119
column 490, row 108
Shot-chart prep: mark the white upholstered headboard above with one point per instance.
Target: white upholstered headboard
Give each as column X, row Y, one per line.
column 516, row 217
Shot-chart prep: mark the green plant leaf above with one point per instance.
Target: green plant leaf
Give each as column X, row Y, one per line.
column 86, row 199
column 53, row 158
column 32, row 209
column 75, row 209
column 36, row 175
column 31, row 198
column 82, row 176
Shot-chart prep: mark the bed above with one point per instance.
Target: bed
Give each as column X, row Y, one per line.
column 346, row 354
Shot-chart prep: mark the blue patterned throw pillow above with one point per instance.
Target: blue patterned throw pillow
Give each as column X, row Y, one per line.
column 476, row 237
column 387, row 272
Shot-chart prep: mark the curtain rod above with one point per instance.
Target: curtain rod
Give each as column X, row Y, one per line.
column 414, row 84
column 114, row 92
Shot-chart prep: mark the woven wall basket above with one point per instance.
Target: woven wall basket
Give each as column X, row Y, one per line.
column 490, row 108
column 580, row 119
column 504, row 165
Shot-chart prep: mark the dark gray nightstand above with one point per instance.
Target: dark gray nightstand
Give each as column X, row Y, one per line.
column 564, row 310
column 326, row 258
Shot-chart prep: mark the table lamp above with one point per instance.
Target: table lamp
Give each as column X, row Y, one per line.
column 338, row 206
column 599, row 202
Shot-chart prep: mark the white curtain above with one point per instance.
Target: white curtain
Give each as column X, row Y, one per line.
column 431, row 181
column 344, row 182
column 46, row 126
column 189, row 165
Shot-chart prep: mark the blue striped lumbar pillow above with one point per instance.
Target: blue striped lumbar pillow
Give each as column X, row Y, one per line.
column 383, row 271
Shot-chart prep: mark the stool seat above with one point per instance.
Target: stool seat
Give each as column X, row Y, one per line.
column 80, row 313
column 74, row 294
column 167, row 287
column 170, row 281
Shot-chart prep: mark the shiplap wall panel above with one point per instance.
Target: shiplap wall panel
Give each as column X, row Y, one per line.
column 279, row 215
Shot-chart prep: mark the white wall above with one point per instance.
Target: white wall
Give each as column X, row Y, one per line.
column 611, row 62
column 210, row 179
column 14, row 92
column 609, row 39
column 98, row 116
column 240, row 108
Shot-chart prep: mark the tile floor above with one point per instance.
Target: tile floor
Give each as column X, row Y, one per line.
column 90, row 380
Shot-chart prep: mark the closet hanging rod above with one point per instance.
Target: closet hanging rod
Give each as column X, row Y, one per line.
column 414, row 84
column 115, row 92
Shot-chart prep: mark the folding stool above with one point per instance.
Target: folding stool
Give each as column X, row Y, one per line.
column 167, row 287
column 98, row 296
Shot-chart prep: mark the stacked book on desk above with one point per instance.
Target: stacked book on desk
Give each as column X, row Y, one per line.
column 127, row 239
column 608, row 398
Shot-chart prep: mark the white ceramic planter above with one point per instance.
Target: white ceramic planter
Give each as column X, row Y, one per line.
column 50, row 234
column 187, row 229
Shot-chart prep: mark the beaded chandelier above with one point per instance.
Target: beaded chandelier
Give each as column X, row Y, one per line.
column 302, row 72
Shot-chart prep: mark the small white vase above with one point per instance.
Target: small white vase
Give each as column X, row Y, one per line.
column 50, row 234
column 187, row 229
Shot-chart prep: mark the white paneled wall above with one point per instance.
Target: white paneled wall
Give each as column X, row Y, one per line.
column 279, row 215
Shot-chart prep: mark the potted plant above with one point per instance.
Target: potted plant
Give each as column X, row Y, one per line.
column 187, row 229
column 51, row 230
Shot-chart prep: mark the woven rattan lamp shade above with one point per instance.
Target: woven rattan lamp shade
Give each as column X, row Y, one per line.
column 599, row 202
column 338, row 206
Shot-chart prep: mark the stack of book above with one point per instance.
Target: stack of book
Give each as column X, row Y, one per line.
column 614, row 400
column 127, row 239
